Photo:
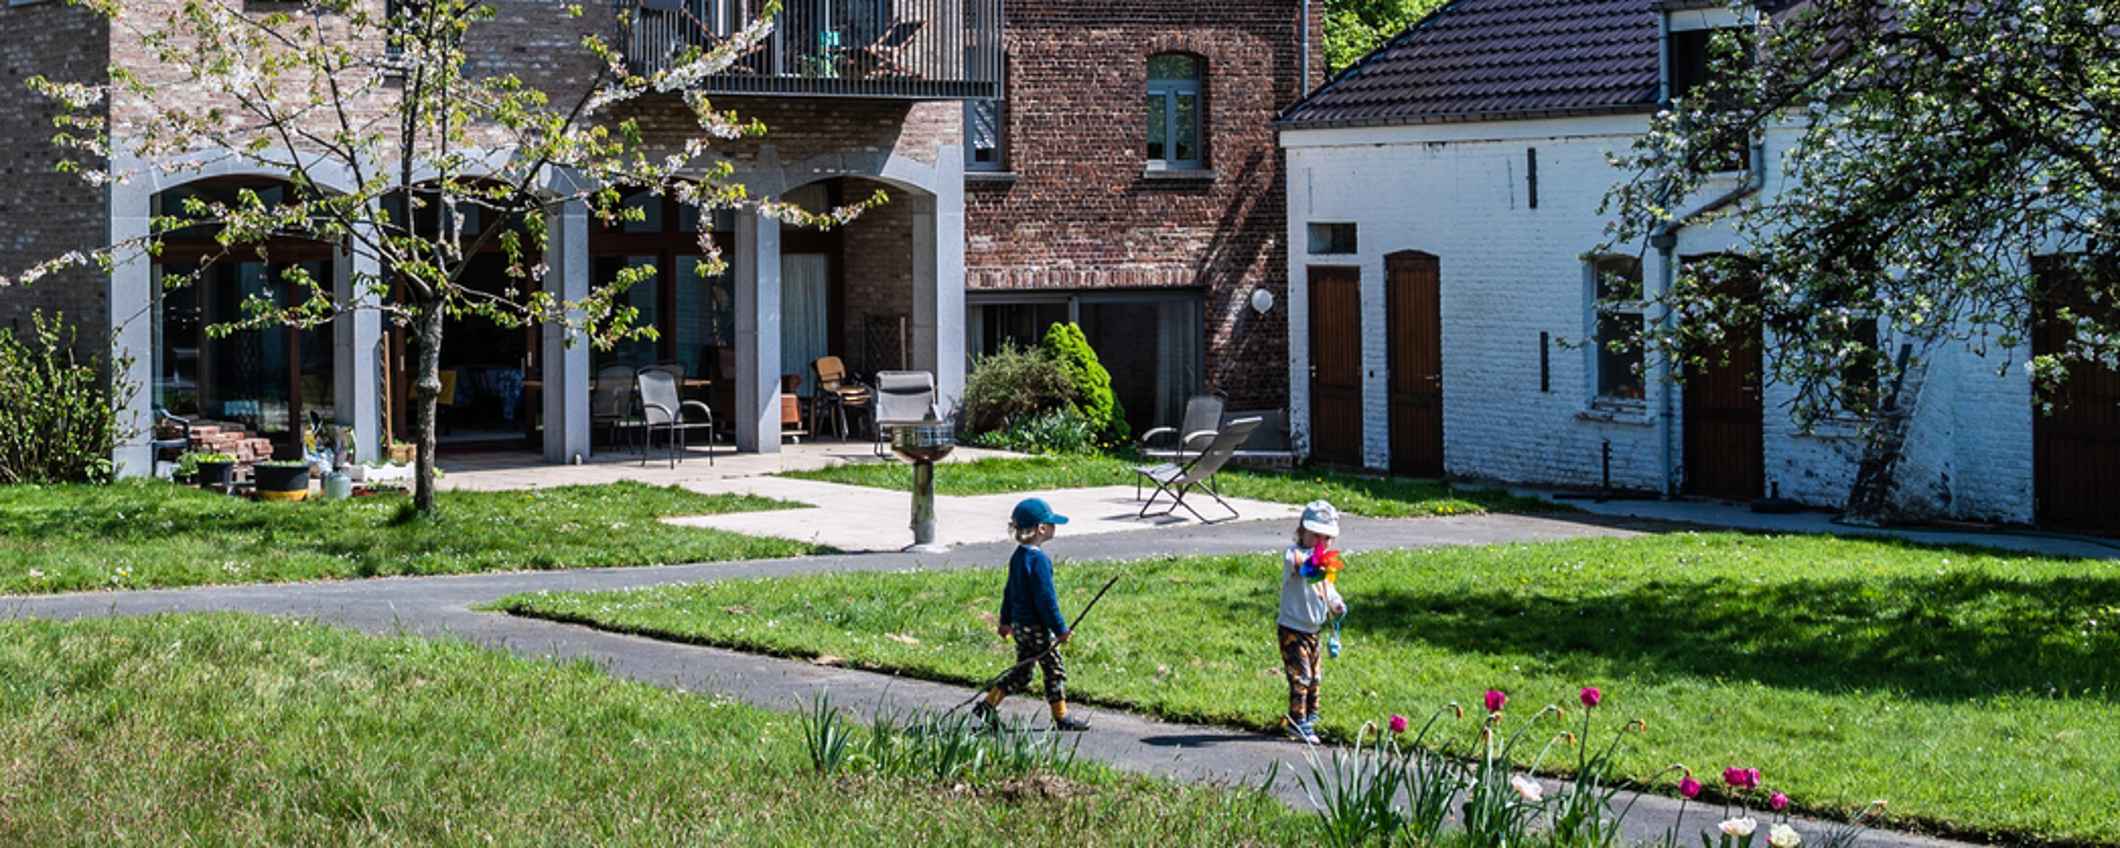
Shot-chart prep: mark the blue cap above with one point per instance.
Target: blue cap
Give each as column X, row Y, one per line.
column 1033, row 512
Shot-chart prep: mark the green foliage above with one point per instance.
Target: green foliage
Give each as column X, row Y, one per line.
column 1058, row 431
column 188, row 464
column 60, row 422
column 1831, row 663
column 1013, row 385
column 145, row 533
column 245, row 730
column 1070, row 350
column 1353, row 28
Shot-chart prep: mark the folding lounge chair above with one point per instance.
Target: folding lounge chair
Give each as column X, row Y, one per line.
column 1203, row 417
column 1198, row 473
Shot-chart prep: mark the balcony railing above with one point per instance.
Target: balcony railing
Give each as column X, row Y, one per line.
column 914, row 49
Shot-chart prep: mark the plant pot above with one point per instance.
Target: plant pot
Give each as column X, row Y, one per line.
column 281, row 482
column 215, row 475
column 337, row 486
column 402, row 453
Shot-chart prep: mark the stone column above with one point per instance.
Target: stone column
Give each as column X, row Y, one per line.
column 757, row 268
column 132, row 335
column 565, row 351
column 356, row 352
column 938, row 280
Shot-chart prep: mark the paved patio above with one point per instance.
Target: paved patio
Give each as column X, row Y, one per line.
column 489, row 470
column 864, row 519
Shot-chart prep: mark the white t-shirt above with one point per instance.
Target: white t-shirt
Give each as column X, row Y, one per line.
column 1305, row 606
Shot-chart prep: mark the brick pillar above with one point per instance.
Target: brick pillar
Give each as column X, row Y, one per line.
column 565, row 359
column 757, row 267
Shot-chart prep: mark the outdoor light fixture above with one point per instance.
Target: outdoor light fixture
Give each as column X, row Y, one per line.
column 1261, row 301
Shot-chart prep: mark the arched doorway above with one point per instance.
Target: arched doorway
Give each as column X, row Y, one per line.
column 267, row 382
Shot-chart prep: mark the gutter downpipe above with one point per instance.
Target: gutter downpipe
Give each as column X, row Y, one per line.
column 1303, row 74
column 1665, row 239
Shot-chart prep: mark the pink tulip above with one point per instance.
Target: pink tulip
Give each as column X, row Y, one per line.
column 1591, row 696
column 1398, row 723
column 1689, row 788
column 1778, row 802
column 1496, row 699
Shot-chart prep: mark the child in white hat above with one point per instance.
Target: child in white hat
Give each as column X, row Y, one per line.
column 1308, row 599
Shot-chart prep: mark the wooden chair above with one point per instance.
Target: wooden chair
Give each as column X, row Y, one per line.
column 836, row 392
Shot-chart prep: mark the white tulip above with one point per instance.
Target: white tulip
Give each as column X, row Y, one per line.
column 1528, row 788
column 1783, row 836
column 1740, row 827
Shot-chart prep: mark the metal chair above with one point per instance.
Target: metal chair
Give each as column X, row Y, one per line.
column 611, row 399
column 661, row 409
column 173, row 446
column 1197, row 474
column 1203, row 418
column 903, row 398
column 836, row 392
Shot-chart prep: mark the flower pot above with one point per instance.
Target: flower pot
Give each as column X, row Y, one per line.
column 281, row 482
column 216, row 475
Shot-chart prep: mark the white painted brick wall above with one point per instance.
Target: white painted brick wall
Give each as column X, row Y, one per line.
column 1510, row 272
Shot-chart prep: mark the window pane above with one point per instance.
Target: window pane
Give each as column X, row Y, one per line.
column 1187, row 123
column 1619, row 371
column 1861, row 369
column 1158, row 127
column 1619, row 278
column 706, row 315
column 982, row 133
column 1173, row 66
column 644, row 296
column 652, row 208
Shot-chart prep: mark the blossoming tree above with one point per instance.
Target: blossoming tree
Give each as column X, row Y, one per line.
column 433, row 156
column 1947, row 163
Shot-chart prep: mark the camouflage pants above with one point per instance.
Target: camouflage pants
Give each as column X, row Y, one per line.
column 1299, row 661
column 1032, row 642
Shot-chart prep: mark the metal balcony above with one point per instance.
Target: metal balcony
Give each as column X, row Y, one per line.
column 906, row 49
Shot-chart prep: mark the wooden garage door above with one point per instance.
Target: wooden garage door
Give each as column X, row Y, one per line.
column 2076, row 447
column 1336, row 365
column 1414, row 328
column 1725, row 445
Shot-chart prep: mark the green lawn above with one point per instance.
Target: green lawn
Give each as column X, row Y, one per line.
column 234, row 729
column 1376, row 497
column 1974, row 691
column 139, row 534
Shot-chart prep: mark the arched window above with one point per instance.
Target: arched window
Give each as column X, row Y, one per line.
column 1174, row 112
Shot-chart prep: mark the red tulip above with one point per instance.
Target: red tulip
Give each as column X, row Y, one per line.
column 1688, row 787
column 1591, row 696
column 1398, row 723
column 1496, row 699
column 1778, row 802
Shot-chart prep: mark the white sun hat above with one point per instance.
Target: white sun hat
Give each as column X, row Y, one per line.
column 1321, row 518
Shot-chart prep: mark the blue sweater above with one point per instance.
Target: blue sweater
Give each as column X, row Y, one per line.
column 1028, row 599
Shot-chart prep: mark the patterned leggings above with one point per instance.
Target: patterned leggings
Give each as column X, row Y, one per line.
column 1299, row 661
column 1031, row 642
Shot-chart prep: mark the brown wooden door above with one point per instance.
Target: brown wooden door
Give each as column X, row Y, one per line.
column 1336, row 365
column 1725, row 446
column 1414, row 330
column 2076, row 447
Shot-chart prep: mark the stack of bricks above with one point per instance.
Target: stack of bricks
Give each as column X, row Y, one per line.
column 230, row 439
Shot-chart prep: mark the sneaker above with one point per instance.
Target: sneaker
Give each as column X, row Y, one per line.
column 1299, row 730
column 987, row 717
column 1071, row 722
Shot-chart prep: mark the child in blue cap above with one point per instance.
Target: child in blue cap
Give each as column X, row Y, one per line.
column 1030, row 613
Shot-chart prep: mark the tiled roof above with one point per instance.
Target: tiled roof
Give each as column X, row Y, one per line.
column 1492, row 59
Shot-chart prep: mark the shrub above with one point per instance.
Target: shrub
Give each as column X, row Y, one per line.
column 188, row 464
column 1013, row 385
column 1062, row 430
column 1070, row 349
column 60, row 423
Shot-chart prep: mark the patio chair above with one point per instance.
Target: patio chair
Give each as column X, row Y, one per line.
column 903, row 398
column 661, row 409
column 1179, row 479
column 178, row 439
column 837, row 391
column 611, row 400
column 1203, row 417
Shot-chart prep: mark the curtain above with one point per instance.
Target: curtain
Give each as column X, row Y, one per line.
column 804, row 312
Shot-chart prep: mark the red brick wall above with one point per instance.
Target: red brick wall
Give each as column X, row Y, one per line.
column 1081, row 214
column 43, row 213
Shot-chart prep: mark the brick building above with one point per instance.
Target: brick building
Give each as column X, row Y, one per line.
column 1051, row 201
column 1445, row 207
column 1129, row 180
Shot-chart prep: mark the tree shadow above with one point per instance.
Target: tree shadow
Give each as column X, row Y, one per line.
column 1952, row 636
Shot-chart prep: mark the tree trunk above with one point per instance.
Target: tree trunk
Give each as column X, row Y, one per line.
column 426, row 390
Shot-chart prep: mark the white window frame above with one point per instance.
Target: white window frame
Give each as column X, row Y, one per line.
column 1594, row 312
